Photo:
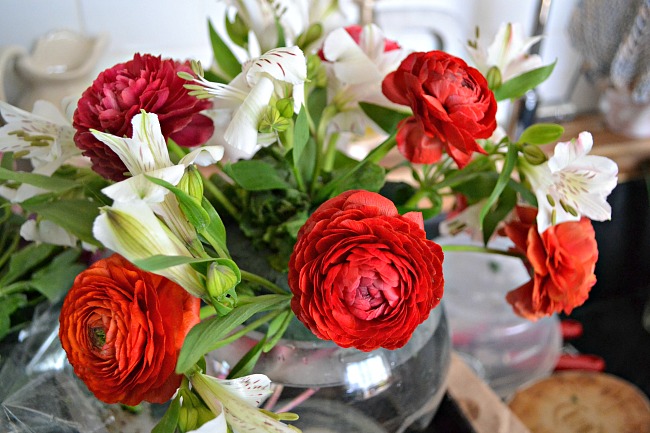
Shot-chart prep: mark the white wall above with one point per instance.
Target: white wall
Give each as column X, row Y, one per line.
column 179, row 28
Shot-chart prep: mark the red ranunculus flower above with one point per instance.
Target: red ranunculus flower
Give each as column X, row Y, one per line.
column 452, row 107
column 562, row 260
column 119, row 93
column 362, row 275
column 123, row 328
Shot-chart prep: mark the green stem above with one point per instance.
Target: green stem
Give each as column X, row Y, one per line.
column 245, row 330
column 220, row 197
column 415, row 198
column 16, row 287
column 479, row 249
column 380, row 151
column 254, row 278
column 9, row 250
column 330, row 152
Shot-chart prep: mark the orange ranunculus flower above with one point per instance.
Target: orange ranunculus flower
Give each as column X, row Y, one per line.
column 562, row 260
column 123, row 328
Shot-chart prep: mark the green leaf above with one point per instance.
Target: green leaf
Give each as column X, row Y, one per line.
column 57, row 277
column 247, row 362
column 205, row 336
column 255, row 175
column 386, row 118
column 516, row 87
column 276, row 330
column 316, row 104
column 158, row 262
column 300, row 135
column 215, row 232
column 476, row 186
column 502, row 182
column 25, row 260
column 307, row 163
column 169, row 421
column 191, row 207
column 224, row 57
column 74, row 215
column 504, row 205
column 48, row 183
column 236, row 29
column 7, row 161
column 9, row 304
column 370, row 177
column 541, row 133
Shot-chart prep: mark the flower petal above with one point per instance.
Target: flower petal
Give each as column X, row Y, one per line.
column 286, row 64
column 242, row 130
column 203, row 156
column 140, row 188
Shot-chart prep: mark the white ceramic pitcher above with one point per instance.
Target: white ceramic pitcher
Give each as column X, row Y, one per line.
column 61, row 64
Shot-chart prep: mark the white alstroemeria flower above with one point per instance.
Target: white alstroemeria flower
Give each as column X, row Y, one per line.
column 250, row 92
column 44, row 137
column 467, row 220
column 238, row 400
column 293, row 16
column 133, row 230
column 47, row 232
column 572, row 183
column 357, row 69
column 146, row 154
column 508, row 52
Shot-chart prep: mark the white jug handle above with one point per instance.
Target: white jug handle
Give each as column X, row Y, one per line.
column 8, row 56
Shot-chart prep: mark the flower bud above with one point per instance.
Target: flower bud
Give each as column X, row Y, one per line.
column 237, row 30
column 272, row 120
column 493, row 77
column 316, row 72
column 133, row 230
column 192, row 183
column 534, row 155
column 188, row 418
column 309, row 36
column 222, row 278
column 285, row 107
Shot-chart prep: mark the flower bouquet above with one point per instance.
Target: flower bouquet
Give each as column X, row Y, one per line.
column 165, row 162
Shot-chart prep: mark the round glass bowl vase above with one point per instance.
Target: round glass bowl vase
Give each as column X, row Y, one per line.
column 504, row 349
column 337, row 390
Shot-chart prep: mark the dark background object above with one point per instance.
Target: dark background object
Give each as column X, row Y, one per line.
column 612, row 317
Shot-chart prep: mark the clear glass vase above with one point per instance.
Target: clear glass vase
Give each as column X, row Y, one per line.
column 337, row 390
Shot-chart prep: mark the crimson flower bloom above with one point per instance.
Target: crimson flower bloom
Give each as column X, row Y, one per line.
column 119, row 93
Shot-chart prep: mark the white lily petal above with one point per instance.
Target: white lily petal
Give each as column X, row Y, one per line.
column 298, row 93
column 216, row 425
column 286, row 64
column 146, row 130
column 242, row 131
column 351, row 64
column 254, row 388
column 372, row 41
column 545, row 214
column 140, row 188
column 133, row 230
column 146, row 151
column 49, row 111
column 203, row 156
column 47, row 232
column 240, row 414
column 567, row 152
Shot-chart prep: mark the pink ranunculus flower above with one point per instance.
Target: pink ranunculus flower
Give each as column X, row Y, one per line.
column 145, row 83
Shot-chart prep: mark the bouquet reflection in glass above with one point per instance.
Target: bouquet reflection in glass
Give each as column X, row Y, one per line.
column 282, row 256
